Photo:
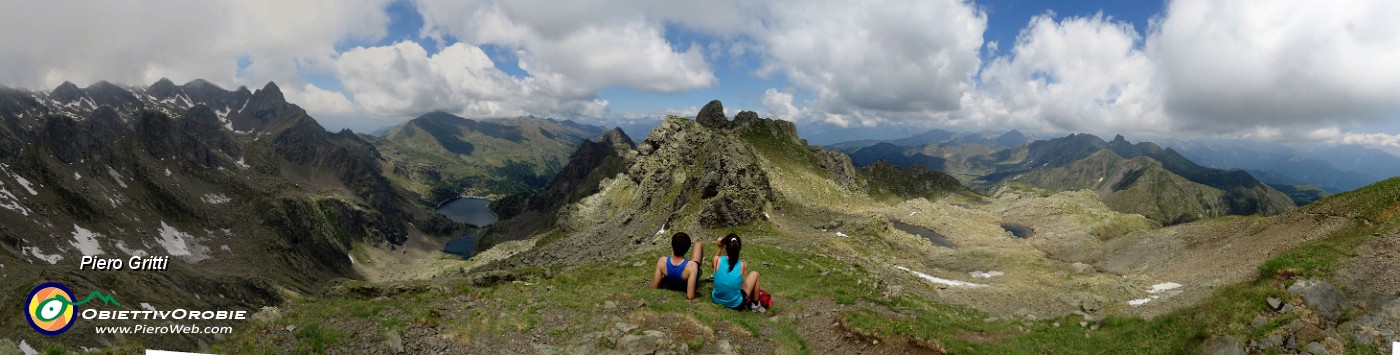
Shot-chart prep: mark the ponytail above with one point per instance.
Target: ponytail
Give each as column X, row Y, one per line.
column 731, row 249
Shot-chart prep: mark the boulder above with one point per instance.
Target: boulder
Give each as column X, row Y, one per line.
column 1223, row 345
column 1322, row 296
column 712, row 116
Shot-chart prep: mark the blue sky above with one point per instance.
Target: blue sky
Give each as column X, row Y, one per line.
column 1286, row 72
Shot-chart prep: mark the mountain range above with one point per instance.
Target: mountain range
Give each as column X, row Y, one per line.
column 1141, row 178
column 441, row 156
column 253, row 199
column 1334, row 169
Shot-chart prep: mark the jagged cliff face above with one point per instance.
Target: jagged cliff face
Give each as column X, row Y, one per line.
column 245, row 191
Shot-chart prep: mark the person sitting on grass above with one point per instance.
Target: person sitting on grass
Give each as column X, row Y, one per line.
column 735, row 285
column 675, row 272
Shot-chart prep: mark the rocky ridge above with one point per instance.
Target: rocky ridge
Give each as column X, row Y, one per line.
column 250, row 196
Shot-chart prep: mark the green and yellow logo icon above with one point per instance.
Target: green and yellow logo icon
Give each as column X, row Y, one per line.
column 51, row 309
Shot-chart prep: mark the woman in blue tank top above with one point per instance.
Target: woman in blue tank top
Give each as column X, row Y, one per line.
column 675, row 272
column 734, row 283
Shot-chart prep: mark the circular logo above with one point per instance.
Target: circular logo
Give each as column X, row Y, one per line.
column 50, row 310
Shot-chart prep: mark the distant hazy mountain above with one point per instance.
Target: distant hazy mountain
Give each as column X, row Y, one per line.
column 1334, row 169
column 1357, row 158
column 935, row 137
column 440, row 155
column 895, row 154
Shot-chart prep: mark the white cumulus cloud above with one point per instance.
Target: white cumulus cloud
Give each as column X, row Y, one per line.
column 581, row 46
column 402, row 79
column 1076, row 74
column 1237, row 64
column 893, row 56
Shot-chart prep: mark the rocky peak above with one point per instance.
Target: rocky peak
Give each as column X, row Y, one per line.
column 712, row 116
column 66, row 92
column 269, row 93
column 618, row 139
column 200, row 84
column 745, row 118
column 163, row 89
column 107, row 94
column 436, row 117
column 1011, row 138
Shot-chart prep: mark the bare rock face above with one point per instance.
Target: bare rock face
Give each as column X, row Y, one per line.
column 708, row 168
column 712, row 116
column 735, row 187
column 745, row 118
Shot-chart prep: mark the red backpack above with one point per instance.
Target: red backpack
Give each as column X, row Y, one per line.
column 763, row 298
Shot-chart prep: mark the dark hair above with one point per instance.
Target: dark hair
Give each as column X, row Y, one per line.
column 731, row 249
column 680, row 243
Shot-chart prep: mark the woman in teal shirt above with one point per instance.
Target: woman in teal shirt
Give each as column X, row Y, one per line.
column 735, row 285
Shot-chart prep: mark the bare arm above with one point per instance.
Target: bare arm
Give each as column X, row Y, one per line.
column 656, row 277
column 696, row 254
column 690, row 281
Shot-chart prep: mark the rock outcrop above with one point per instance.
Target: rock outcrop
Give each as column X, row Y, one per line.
column 712, row 116
column 697, row 164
